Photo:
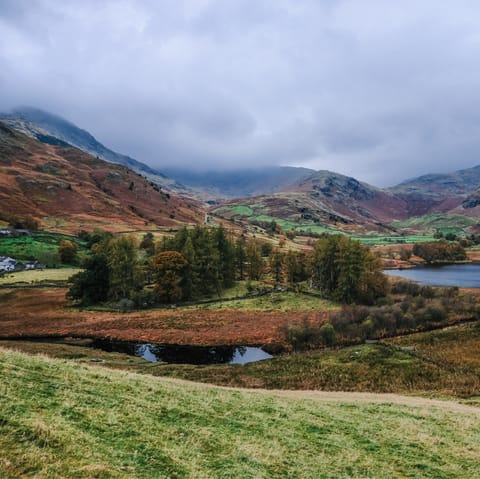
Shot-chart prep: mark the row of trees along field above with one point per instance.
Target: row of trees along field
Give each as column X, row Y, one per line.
column 202, row 262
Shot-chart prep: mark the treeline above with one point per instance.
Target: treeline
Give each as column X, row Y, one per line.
column 440, row 251
column 20, row 222
column 202, row 262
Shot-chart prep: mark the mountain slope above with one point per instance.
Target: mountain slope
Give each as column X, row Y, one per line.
column 439, row 193
column 52, row 129
column 321, row 201
column 67, row 189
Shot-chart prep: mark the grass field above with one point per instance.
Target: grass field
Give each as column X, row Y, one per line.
column 443, row 222
column 70, row 421
column 38, row 276
column 388, row 240
column 310, row 228
column 39, row 246
column 287, row 301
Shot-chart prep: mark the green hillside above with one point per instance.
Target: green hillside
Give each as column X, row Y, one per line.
column 63, row 420
column 442, row 222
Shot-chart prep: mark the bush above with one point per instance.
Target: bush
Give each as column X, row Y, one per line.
column 306, row 335
column 144, row 298
column 327, row 334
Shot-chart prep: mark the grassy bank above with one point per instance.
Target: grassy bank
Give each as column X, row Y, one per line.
column 441, row 363
column 61, row 420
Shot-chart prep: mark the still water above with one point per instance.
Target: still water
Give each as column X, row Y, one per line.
column 461, row 275
column 185, row 354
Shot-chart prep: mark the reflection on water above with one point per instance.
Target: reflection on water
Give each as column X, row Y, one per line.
column 184, row 354
column 461, row 275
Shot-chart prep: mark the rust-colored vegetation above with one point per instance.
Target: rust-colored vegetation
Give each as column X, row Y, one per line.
column 68, row 190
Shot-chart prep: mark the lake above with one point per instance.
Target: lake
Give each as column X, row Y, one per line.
column 184, row 354
column 461, row 275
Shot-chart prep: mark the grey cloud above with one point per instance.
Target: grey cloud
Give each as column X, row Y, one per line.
column 378, row 90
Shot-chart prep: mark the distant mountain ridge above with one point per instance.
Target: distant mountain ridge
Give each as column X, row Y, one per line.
column 47, row 127
column 326, row 200
column 293, row 193
column 439, row 192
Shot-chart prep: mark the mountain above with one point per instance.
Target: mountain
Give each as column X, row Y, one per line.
column 53, row 129
column 298, row 196
column 322, row 201
column 439, row 193
column 67, row 189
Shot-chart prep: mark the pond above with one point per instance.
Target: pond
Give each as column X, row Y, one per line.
column 461, row 275
column 184, row 354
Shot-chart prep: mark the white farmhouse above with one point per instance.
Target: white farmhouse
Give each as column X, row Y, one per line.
column 7, row 264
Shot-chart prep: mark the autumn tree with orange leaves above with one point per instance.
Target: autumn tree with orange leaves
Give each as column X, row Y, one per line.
column 168, row 268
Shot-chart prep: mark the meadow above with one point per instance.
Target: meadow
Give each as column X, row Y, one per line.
column 38, row 276
column 42, row 246
column 63, row 420
column 441, row 222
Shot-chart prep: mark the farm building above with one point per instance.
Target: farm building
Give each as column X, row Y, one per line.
column 34, row 265
column 7, row 263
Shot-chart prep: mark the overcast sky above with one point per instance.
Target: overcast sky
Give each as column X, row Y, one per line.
column 381, row 90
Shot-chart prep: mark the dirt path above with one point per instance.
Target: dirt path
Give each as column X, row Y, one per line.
column 346, row 397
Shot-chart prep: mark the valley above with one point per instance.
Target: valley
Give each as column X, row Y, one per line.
column 291, row 262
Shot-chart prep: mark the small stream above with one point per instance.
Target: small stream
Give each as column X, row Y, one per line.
column 184, row 354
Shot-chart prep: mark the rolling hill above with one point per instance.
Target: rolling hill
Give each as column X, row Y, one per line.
column 68, row 190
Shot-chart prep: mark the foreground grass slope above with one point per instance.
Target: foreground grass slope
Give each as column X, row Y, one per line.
column 62, row 420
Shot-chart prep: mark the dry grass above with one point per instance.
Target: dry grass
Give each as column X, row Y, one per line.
column 38, row 276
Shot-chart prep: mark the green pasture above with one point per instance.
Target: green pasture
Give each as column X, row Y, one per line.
column 59, row 419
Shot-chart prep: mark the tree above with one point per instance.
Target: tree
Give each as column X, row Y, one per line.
column 295, row 265
column 226, row 256
column 168, row 269
column 345, row 270
column 148, row 244
column 207, row 262
column 439, row 251
column 240, row 257
column 254, row 260
column 277, row 263
column 123, row 267
column 190, row 279
column 91, row 285
column 67, row 250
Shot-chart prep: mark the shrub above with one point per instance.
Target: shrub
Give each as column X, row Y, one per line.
column 307, row 335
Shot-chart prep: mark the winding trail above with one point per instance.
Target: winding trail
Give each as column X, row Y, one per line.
column 344, row 397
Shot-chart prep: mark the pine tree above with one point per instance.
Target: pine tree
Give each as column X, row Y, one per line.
column 226, row 256
column 255, row 266
column 125, row 276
